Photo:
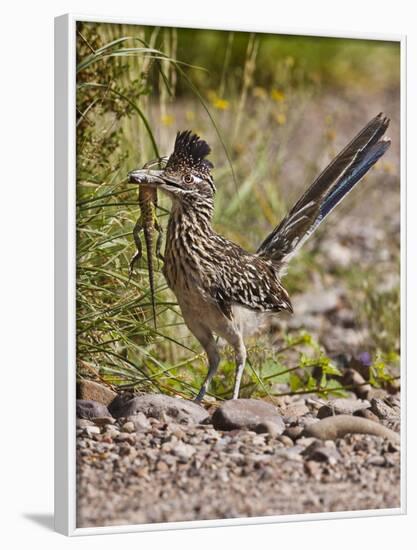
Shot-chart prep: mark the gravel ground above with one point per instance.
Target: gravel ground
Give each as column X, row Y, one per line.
column 141, row 469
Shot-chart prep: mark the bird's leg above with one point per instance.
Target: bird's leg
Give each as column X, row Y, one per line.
column 240, row 354
column 136, row 237
column 213, row 361
column 206, row 339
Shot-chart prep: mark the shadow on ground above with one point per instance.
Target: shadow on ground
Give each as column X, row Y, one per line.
column 44, row 520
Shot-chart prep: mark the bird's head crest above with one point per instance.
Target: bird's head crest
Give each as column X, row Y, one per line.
column 189, row 155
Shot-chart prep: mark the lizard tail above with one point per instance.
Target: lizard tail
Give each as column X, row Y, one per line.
column 147, row 201
column 151, row 275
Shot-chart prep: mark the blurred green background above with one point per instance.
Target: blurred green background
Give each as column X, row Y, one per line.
column 275, row 110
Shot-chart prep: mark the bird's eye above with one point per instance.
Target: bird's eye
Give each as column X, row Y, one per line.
column 188, row 178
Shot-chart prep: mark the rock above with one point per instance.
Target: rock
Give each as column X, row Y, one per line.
column 112, row 429
column 183, row 451
column 223, row 476
column 247, row 414
column 104, row 420
column 93, row 391
column 296, row 410
column 393, row 386
column 119, row 403
column 313, row 468
column 128, row 427
column 281, row 401
column 314, row 403
column 162, row 466
column 286, row 441
column 394, row 401
column 307, row 420
column 91, row 430
column 290, row 453
column 162, row 407
column 140, row 422
column 83, row 423
column 322, row 453
column 337, row 426
column 342, row 406
column 362, row 362
column 125, row 437
column 376, row 393
column 305, row 441
column 269, row 427
column 175, row 430
column 91, row 409
column 294, row 432
column 366, row 413
column 383, row 410
column 377, row 460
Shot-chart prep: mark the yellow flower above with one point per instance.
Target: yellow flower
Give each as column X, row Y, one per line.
column 217, row 102
column 167, row 120
column 221, row 104
column 278, row 96
column 280, row 118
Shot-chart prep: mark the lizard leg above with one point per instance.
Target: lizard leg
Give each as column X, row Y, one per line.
column 136, row 237
column 160, row 232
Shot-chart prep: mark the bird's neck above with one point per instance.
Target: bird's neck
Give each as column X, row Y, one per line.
column 191, row 217
column 188, row 236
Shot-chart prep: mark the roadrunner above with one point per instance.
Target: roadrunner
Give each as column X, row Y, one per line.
column 214, row 278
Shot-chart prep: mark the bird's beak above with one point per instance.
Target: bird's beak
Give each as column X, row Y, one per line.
column 146, row 176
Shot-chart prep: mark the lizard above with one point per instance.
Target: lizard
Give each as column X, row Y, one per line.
column 148, row 223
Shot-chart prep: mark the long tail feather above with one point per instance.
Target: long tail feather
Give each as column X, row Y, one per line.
column 327, row 191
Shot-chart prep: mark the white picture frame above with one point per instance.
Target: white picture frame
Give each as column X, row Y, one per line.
column 65, row 258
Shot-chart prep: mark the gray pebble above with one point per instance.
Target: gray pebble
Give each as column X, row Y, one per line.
column 128, row 427
column 90, row 409
column 285, row 440
column 377, row 460
column 140, row 422
column 342, row 406
column 322, row 453
column 83, row 423
column 103, row 420
column 183, row 451
column 270, row 428
column 91, row 430
column 383, row 410
column 295, row 410
column 294, row 432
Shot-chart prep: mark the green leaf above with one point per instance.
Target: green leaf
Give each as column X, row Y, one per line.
column 295, row 382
